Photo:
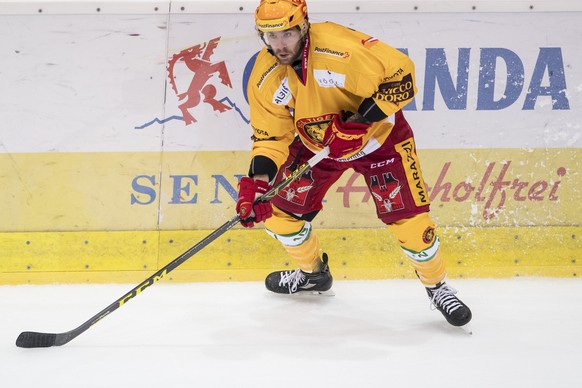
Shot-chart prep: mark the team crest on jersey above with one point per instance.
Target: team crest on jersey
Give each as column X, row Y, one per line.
column 297, row 191
column 386, row 193
column 313, row 128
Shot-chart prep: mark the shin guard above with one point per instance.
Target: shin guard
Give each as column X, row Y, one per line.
column 420, row 243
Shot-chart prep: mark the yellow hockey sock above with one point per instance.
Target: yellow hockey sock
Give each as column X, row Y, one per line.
column 306, row 255
column 420, row 243
column 298, row 239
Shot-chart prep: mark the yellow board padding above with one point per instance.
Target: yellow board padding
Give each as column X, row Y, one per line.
column 78, row 251
column 249, row 255
column 74, row 191
column 196, row 190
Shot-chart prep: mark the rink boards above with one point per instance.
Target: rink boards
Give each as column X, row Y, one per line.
column 241, row 255
column 500, row 213
column 125, row 128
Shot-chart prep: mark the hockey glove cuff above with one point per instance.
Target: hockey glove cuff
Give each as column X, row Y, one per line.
column 248, row 210
column 344, row 138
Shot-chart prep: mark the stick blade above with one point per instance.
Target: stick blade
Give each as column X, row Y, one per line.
column 31, row 339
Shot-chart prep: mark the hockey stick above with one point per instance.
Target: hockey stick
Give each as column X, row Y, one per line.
column 31, row 339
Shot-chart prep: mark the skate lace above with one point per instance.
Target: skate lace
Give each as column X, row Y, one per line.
column 445, row 297
column 292, row 279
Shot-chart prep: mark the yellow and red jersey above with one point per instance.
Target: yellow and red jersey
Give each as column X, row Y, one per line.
column 341, row 68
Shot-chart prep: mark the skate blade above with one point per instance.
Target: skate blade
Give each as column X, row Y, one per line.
column 467, row 329
column 315, row 293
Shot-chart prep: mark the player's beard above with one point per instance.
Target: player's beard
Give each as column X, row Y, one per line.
column 287, row 56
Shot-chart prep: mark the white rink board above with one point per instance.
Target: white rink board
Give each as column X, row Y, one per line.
column 87, row 81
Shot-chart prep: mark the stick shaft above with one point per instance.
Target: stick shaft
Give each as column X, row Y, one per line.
column 29, row 339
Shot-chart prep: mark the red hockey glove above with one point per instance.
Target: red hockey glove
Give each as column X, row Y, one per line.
column 343, row 138
column 249, row 211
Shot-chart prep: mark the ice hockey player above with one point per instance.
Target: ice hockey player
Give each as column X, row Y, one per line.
column 322, row 84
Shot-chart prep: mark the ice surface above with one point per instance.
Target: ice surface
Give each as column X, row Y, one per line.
column 526, row 332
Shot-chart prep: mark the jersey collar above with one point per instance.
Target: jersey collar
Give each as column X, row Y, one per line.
column 302, row 71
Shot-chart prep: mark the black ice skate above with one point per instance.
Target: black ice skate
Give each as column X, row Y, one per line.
column 299, row 282
column 443, row 298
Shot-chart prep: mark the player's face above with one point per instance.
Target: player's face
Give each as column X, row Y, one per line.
column 286, row 45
